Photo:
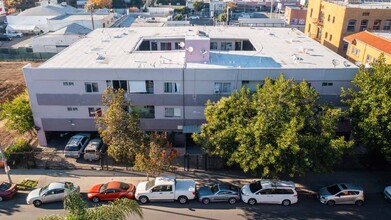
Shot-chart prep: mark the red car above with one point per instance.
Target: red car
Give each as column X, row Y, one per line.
column 7, row 190
column 110, row 191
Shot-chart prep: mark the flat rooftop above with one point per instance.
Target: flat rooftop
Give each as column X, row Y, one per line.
column 364, row 4
column 275, row 48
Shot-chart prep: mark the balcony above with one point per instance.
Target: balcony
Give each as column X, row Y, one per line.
column 317, row 21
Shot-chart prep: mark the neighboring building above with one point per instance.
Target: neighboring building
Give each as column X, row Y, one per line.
column 365, row 47
column 282, row 4
column 216, row 7
column 52, row 17
column 330, row 21
column 54, row 42
column 295, row 17
column 170, row 73
column 261, row 22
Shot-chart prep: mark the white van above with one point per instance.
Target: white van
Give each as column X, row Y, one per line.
column 93, row 149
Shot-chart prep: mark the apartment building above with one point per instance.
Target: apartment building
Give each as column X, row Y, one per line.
column 329, row 21
column 171, row 72
column 365, row 47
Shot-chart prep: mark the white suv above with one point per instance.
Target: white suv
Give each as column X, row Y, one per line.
column 269, row 191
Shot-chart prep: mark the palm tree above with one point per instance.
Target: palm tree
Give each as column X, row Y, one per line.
column 77, row 209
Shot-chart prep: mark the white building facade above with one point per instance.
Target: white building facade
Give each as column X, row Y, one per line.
column 171, row 72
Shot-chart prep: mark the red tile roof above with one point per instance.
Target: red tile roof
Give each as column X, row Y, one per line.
column 371, row 39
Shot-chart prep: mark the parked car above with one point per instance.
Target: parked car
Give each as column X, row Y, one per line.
column 7, row 190
column 53, row 192
column 4, row 38
column 166, row 189
column 14, row 34
column 269, row 191
column 218, row 193
column 342, row 193
column 387, row 192
column 76, row 145
column 111, row 191
column 93, row 149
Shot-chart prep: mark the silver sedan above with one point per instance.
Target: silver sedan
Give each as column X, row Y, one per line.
column 342, row 193
column 219, row 193
column 53, row 192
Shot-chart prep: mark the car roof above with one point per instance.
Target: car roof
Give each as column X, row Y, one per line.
column 350, row 186
column 268, row 183
column 165, row 180
column 75, row 139
column 113, row 185
column 56, row 185
column 226, row 186
column 93, row 144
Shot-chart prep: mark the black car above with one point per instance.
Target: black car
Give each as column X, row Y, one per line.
column 5, row 38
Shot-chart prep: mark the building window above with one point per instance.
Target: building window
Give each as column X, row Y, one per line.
column 365, row 14
column 147, row 111
column 351, row 25
column 333, row 19
column 72, row 109
column 252, row 85
column 355, row 51
column 68, row 84
column 325, row 35
column 165, row 46
column 118, row 84
column 387, row 25
column 172, row 112
column 141, row 86
column 177, row 47
column 213, row 45
column 94, row 111
column 312, row 10
column 327, row 84
column 153, row 45
column 91, row 87
column 345, row 45
column 369, row 59
column 226, row 45
column 331, row 37
column 171, row 87
column 328, row 18
column 309, row 27
column 376, row 25
column 363, row 25
column 222, row 87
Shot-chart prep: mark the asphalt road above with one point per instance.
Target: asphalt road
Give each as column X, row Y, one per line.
column 376, row 207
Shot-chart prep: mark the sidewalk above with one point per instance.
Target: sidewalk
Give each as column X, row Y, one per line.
column 372, row 182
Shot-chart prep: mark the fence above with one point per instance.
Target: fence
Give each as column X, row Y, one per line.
column 23, row 53
column 203, row 162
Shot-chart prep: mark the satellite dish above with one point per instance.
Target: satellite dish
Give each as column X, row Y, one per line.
column 182, row 44
column 190, row 49
column 335, row 62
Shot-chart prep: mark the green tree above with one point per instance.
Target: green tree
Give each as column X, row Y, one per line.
column 278, row 129
column 119, row 127
column 178, row 17
column 98, row 4
column 222, row 17
column 198, row 5
column 77, row 209
column 370, row 108
column 19, row 4
column 155, row 155
column 18, row 114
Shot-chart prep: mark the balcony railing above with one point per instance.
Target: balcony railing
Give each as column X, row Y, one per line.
column 317, row 21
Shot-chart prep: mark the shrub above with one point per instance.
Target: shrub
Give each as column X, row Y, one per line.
column 20, row 146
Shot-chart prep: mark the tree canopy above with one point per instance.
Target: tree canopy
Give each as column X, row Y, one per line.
column 370, row 107
column 99, row 3
column 18, row 114
column 119, row 126
column 198, row 5
column 280, row 128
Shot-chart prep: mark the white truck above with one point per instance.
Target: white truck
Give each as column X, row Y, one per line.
column 166, row 189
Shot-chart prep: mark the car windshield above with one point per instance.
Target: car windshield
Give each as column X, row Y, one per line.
column 68, row 185
column 103, row 187
column 334, row 189
column 4, row 186
column 43, row 189
column 71, row 148
column 255, row 186
column 124, row 186
column 150, row 184
column 215, row 188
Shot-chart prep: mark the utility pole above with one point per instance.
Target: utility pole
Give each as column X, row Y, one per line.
column 228, row 15
column 6, row 168
column 91, row 7
column 271, row 9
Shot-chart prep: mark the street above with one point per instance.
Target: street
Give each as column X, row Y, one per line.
column 375, row 207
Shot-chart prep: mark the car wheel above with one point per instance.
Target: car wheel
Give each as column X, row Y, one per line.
column 359, row 203
column 232, row 201
column 37, row 203
column 331, row 202
column 252, row 201
column 143, row 199
column 206, row 201
column 95, row 199
column 1, row 198
column 286, row 202
column 182, row 199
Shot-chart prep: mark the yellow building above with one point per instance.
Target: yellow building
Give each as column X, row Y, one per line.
column 365, row 47
column 330, row 21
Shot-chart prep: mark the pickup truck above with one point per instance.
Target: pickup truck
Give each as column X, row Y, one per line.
column 166, row 189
